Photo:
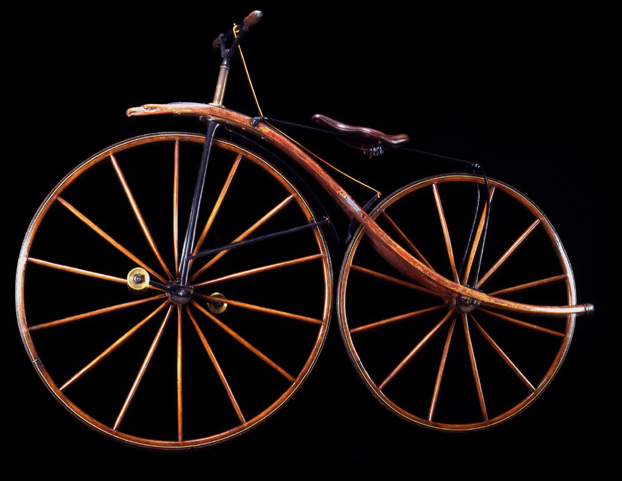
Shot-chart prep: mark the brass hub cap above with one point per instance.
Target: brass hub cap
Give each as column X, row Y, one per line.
column 217, row 307
column 138, row 279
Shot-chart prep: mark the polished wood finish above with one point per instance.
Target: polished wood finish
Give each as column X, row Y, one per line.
column 167, row 322
column 474, row 335
column 385, row 244
column 361, row 138
column 456, row 308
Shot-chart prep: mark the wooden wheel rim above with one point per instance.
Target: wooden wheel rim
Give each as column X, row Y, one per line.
column 360, row 363
column 52, row 385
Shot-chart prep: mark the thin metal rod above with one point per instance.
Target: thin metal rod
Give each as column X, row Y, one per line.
column 176, row 207
column 470, row 236
column 476, row 242
column 196, row 201
column 246, row 233
column 255, row 240
column 218, row 203
column 482, row 241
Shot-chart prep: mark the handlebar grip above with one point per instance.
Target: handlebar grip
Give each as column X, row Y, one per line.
column 251, row 19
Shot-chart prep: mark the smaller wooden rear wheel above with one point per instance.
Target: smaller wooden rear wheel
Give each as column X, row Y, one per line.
column 449, row 363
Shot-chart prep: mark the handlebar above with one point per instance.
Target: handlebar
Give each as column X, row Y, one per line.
column 251, row 19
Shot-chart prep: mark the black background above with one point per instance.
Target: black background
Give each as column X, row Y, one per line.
column 520, row 90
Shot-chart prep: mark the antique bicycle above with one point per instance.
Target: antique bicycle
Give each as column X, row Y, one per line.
column 175, row 289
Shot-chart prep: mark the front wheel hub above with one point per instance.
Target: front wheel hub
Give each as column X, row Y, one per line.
column 180, row 294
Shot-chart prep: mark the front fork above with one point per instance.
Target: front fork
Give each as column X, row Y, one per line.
column 179, row 290
column 212, row 125
column 189, row 238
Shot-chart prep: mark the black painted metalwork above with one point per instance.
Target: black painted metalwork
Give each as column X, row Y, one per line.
column 255, row 240
column 196, row 201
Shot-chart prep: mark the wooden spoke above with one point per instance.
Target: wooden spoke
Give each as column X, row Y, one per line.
column 179, row 372
column 96, row 312
column 503, row 355
column 441, row 215
column 405, row 238
column 530, row 285
column 114, row 346
column 478, row 382
column 139, row 216
column 75, row 270
column 259, row 270
column 108, row 238
column 508, row 253
column 265, row 310
column 219, row 370
column 441, row 369
column 415, row 350
column 394, row 319
column 395, row 280
column 245, row 343
column 142, row 370
column 528, row 325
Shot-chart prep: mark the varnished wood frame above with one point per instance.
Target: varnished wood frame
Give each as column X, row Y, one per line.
column 384, row 244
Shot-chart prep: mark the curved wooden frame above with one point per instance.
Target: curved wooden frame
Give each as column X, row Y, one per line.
column 384, row 244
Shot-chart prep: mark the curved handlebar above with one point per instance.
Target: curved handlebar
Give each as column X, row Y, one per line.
column 251, row 19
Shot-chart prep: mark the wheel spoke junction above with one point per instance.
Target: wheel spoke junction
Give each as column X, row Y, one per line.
column 444, row 361
column 130, row 350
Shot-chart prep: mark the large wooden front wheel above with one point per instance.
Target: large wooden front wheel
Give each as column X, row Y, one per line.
column 173, row 368
column 446, row 362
